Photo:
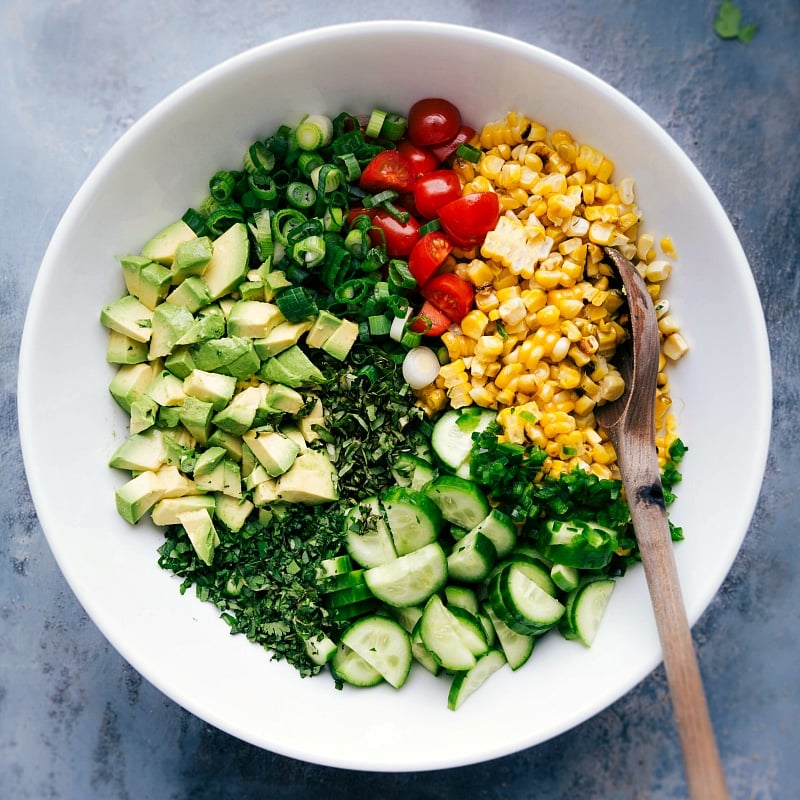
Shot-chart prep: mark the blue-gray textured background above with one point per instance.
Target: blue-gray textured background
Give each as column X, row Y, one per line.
column 77, row 722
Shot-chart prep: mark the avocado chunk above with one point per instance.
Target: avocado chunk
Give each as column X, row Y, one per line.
column 208, row 461
column 232, row 444
column 174, row 483
column 164, row 244
column 195, row 415
column 169, row 324
column 130, row 317
column 202, row 534
column 124, row 350
column 130, row 383
column 208, row 324
column 232, row 512
column 228, row 265
column 140, row 452
column 146, row 280
column 275, row 280
column 284, row 398
column 310, row 480
column 325, row 325
column 191, row 258
column 192, row 294
column 341, row 340
column 308, row 424
column 266, row 492
column 280, row 338
column 274, row 451
column 292, row 368
column 210, row 387
column 180, row 362
column 167, row 511
column 166, row 389
column 135, row 498
column 230, row 355
column 237, row 417
column 253, row 319
column 144, row 411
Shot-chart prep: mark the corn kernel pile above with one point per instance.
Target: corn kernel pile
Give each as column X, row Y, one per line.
column 538, row 345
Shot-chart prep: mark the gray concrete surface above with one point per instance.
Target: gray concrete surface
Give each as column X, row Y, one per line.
column 77, row 722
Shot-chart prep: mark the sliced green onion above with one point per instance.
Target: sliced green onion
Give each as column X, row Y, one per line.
column 350, row 166
column 468, row 153
column 283, row 222
column 259, row 158
column 353, row 291
column 375, row 123
column 397, row 213
column 223, row 217
column 262, row 186
column 301, row 195
column 309, row 251
column 315, row 131
column 350, row 142
column 326, row 178
column 430, row 225
column 260, row 225
column 195, row 220
column 398, row 327
column 221, row 185
column 400, row 276
column 208, row 206
column 394, row 127
column 397, row 305
column 386, row 196
column 501, row 330
column 335, row 267
column 308, row 227
column 308, row 162
column 379, row 325
column 296, row 303
column 420, row 367
column 411, row 339
column 381, row 291
column 333, row 218
column 357, row 242
column 343, row 123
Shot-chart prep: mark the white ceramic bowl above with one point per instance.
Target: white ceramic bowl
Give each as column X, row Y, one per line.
column 70, row 425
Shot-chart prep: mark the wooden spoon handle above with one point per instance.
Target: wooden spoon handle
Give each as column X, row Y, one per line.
column 704, row 772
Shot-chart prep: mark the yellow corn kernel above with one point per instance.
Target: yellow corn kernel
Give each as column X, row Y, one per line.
column 513, row 311
column 589, row 159
column 490, row 165
column 452, row 370
column 486, row 300
column 508, row 293
column 548, row 316
column 479, row 273
column 458, row 396
column 546, row 392
column 534, row 299
column 505, row 397
column 668, row 324
column 601, row 470
column 644, row 246
column 474, row 324
column 668, row 248
column 451, row 341
column 489, row 348
column 605, row 170
column 611, row 387
column 482, row 396
column 601, row 233
column 675, row 347
column 568, row 376
column 507, row 372
column 658, row 270
column 604, row 453
column 584, row 405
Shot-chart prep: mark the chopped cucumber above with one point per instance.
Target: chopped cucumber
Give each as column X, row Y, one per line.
column 414, row 520
column 384, row 644
column 367, row 535
column 410, row 579
column 467, row 683
column 451, row 438
column 461, row 501
column 348, row 666
column 472, row 558
column 443, row 636
column 586, row 606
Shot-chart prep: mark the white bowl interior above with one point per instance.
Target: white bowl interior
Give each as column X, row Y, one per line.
column 70, row 425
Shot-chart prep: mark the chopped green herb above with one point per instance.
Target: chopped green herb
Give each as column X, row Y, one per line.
column 728, row 23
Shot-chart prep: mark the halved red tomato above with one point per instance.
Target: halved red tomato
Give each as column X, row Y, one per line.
column 422, row 160
column 430, row 321
column 434, row 189
column 450, row 294
column 433, row 121
column 390, row 169
column 468, row 219
column 444, row 151
column 400, row 236
column 428, row 255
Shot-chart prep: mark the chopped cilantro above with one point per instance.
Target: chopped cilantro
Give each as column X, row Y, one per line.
column 728, row 23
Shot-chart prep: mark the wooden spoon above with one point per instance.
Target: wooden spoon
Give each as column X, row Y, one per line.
column 629, row 422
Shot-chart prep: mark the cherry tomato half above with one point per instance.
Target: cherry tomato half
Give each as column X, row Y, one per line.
column 450, row 294
column 444, row 151
column 433, row 121
column 400, row 236
column 468, row 219
column 422, row 160
column 390, row 169
column 430, row 321
column 428, row 255
column 434, row 189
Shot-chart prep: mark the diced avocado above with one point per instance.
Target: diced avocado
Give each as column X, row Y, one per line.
column 231, row 443
column 140, row 452
column 180, row 453
column 147, row 281
column 191, row 258
column 208, row 324
column 228, row 264
column 168, row 417
column 256, row 475
column 167, row 510
column 174, row 483
column 230, row 355
column 253, row 319
column 341, row 341
column 202, row 534
column 310, row 421
column 196, row 415
column 129, row 316
column 130, row 382
column 232, row 479
column 124, row 350
column 252, row 290
column 276, row 280
column 284, row 398
column 274, row 451
column 169, row 324
column 226, row 304
column 192, row 294
column 213, row 480
column 135, row 498
column 292, row 368
column 166, row 389
column 180, row 362
column 232, row 512
column 208, row 460
column 132, row 266
column 237, row 417
column 246, row 365
column 143, row 414
column 210, row 387
column 325, row 325
column 164, row 244
column 280, row 338
column 265, row 492
column 293, row 433
column 310, row 480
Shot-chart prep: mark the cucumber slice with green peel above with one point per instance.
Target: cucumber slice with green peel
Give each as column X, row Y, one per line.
column 488, row 629
column 367, row 537
column 412, row 472
column 410, row 579
column 461, row 596
column 472, row 558
column 351, row 611
column 461, row 501
column 470, row 630
column 414, row 520
column 533, row 568
column 348, row 596
column 348, row 666
column 451, row 437
column 337, row 565
column 500, row 529
column 407, row 616
column 517, row 647
column 586, row 607
column 564, row 577
column 465, row 684
column 441, row 634
column 422, row 655
column 527, row 601
column 384, row 644
column 345, row 580
column 320, row 650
